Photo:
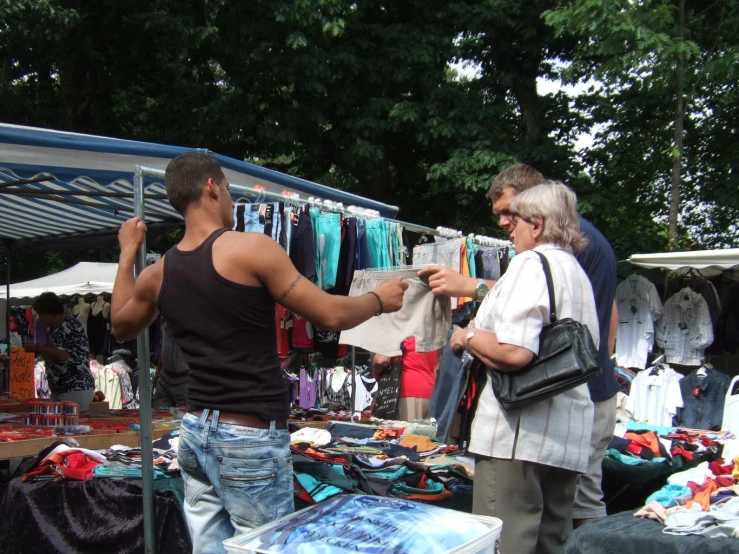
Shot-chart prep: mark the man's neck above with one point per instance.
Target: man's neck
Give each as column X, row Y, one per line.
column 198, row 227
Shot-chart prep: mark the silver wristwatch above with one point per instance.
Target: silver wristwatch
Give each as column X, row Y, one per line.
column 481, row 289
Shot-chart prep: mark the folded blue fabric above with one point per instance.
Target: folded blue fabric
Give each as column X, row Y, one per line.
column 669, row 494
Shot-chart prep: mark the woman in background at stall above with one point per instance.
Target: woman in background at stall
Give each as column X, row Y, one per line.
column 417, row 378
column 67, row 355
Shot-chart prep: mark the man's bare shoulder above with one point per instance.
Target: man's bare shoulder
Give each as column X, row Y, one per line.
column 149, row 281
column 241, row 243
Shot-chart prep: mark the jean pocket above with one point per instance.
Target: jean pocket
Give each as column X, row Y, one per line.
column 253, row 490
column 186, row 457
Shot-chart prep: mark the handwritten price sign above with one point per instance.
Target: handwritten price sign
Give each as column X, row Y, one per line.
column 21, row 373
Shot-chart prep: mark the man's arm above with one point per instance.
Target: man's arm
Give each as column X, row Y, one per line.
column 613, row 329
column 444, row 281
column 133, row 306
column 288, row 287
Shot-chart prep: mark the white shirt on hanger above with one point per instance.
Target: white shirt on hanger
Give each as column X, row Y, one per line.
column 644, row 289
column 635, row 335
column 655, row 399
column 731, row 409
column 685, row 329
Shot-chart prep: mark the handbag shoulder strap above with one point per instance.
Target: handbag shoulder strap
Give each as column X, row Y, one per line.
column 550, row 287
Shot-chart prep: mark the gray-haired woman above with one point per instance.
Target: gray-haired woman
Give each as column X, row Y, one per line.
column 528, row 460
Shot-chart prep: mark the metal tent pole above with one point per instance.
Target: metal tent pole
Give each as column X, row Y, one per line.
column 6, row 368
column 354, row 381
column 147, row 455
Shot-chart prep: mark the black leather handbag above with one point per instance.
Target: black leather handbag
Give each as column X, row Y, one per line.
column 567, row 358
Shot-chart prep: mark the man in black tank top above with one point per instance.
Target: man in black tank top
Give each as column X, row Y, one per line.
column 217, row 291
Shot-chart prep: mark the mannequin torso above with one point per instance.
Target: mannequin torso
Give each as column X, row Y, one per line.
column 101, row 305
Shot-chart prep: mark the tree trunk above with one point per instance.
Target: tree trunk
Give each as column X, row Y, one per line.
column 678, row 145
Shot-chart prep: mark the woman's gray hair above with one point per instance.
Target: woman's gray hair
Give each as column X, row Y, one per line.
column 556, row 204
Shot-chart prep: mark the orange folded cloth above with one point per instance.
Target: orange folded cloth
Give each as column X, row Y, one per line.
column 420, row 442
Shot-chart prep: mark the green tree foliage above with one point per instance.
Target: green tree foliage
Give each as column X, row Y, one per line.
column 631, row 50
column 369, row 96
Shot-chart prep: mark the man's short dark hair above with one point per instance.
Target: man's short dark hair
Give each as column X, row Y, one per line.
column 519, row 177
column 185, row 177
column 48, row 304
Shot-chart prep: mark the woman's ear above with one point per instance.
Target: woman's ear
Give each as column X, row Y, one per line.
column 538, row 228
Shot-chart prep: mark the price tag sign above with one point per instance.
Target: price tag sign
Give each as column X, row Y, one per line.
column 21, row 373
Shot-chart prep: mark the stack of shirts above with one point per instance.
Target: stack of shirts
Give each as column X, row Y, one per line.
column 359, row 459
column 124, row 461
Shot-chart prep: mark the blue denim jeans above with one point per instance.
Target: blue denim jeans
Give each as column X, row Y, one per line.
column 236, row 478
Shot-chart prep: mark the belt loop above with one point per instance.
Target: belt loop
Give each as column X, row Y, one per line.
column 272, row 429
column 214, row 419
column 204, row 417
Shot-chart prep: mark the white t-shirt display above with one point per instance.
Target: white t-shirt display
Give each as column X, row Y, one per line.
column 655, row 398
column 731, row 409
column 639, row 306
column 635, row 332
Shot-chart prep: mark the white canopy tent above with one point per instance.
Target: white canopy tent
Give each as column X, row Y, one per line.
column 709, row 262
column 83, row 278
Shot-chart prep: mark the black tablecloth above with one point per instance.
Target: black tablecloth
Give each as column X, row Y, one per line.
column 96, row 516
column 625, row 534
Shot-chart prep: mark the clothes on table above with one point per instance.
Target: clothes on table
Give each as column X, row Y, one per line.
column 720, row 521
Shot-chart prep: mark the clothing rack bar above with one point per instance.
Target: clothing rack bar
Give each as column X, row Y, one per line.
column 354, row 381
column 145, row 419
column 6, row 315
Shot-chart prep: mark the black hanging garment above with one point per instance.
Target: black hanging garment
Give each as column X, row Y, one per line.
column 97, row 327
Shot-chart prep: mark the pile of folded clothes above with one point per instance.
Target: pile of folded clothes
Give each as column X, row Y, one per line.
column 385, row 461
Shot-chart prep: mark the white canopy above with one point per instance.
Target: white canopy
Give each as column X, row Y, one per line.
column 709, row 262
column 83, row 278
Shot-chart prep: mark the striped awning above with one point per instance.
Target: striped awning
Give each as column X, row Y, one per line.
column 82, row 186
column 50, row 208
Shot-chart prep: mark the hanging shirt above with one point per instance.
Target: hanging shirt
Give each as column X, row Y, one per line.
column 363, row 397
column 636, row 286
column 302, row 333
column 685, row 329
column 704, row 396
column 655, row 399
column 731, row 409
column 308, row 388
column 635, row 332
column 283, row 322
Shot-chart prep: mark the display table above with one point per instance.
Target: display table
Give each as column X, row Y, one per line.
column 625, row 534
column 109, row 427
column 95, row 516
column 93, row 441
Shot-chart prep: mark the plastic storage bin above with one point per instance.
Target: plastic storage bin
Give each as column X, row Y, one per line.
column 372, row 525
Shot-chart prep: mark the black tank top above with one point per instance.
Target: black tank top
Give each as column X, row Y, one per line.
column 227, row 334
